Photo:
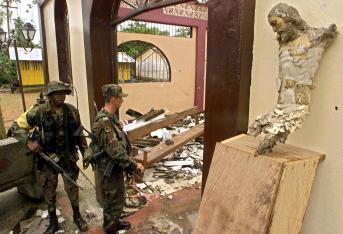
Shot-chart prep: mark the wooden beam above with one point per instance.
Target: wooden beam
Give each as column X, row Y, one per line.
column 148, row 7
column 160, row 151
column 142, row 131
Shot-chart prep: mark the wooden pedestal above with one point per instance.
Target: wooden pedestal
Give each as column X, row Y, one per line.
column 263, row 194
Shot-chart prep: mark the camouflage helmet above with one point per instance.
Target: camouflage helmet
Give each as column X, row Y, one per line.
column 58, row 86
column 112, row 90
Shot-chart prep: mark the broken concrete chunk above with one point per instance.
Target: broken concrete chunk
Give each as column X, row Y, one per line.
column 45, row 214
column 39, row 213
column 183, row 154
column 158, row 133
column 58, row 212
column 178, row 163
column 61, row 220
column 143, row 185
column 34, row 225
column 176, row 168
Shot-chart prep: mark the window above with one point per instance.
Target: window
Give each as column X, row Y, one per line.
column 140, row 61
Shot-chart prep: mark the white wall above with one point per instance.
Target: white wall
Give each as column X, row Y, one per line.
column 78, row 59
column 323, row 129
column 176, row 95
column 50, row 35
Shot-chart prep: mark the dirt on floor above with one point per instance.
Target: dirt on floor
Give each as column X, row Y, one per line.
column 12, row 105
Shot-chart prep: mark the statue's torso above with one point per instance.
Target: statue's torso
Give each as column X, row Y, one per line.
column 298, row 63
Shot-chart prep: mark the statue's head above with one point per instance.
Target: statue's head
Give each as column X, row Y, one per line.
column 286, row 22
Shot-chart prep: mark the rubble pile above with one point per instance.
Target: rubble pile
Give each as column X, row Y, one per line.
column 177, row 171
column 180, row 169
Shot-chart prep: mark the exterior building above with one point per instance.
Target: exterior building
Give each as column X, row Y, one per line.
column 126, row 67
column 77, row 51
column 31, row 66
column 237, row 89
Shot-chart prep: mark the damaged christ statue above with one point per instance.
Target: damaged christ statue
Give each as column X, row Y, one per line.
column 301, row 49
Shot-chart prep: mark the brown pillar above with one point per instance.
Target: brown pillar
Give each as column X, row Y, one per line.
column 97, row 16
column 229, row 62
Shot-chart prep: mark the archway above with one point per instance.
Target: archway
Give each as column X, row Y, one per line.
column 141, row 61
column 99, row 20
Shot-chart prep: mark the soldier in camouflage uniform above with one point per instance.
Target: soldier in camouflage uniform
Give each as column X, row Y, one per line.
column 20, row 128
column 110, row 167
column 56, row 122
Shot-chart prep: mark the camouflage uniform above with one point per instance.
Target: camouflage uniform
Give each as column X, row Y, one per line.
column 110, row 187
column 56, row 130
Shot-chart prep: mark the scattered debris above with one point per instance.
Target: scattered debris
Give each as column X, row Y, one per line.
column 122, row 231
column 178, row 170
column 150, row 115
column 143, row 185
column 34, row 225
column 178, row 163
column 90, row 214
column 61, row 220
column 45, row 214
column 39, row 213
column 133, row 113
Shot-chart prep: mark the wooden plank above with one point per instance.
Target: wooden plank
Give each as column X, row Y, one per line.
column 283, row 152
column 293, row 196
column 239, row 193
column 142, row 131
column 161, row 150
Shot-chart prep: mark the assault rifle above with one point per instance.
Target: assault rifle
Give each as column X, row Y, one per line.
column 34, row 136
column 94, row 159
column 58, row 168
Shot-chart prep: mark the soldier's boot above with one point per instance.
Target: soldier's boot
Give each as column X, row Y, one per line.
column 80, row 222
column 117, row 226
column 53, row 226
column 123, row 225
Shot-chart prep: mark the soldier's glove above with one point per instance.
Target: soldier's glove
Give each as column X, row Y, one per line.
column 87, row 157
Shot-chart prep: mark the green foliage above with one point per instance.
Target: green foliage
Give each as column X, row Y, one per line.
column 183, row 32
column 134, row 48
column 3, row 16
column 7, row 69
column 18, row 26
column 139, row 27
